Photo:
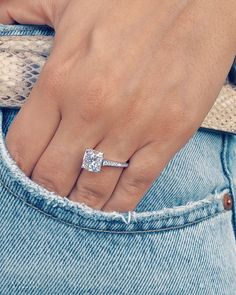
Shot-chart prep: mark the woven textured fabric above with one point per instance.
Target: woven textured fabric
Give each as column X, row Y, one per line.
column 222, row 115
column 22, row 58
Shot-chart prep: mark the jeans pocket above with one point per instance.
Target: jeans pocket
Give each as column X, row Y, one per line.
column 18, row 184
column 50, row 245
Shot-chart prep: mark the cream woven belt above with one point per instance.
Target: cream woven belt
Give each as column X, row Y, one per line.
column 21, row 60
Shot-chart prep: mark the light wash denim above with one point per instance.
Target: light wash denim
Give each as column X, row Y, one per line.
column 179, row 240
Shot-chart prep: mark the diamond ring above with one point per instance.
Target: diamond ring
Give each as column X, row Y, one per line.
column 93, row 161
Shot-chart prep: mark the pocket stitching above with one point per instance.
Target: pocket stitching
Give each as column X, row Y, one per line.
column 201, row 207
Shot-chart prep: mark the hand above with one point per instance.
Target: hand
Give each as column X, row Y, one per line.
column 133, row 79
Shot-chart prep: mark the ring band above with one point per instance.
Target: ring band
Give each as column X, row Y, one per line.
column 93, row 161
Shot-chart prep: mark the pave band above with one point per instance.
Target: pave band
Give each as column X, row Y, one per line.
column 93, row 161
column 113, row 163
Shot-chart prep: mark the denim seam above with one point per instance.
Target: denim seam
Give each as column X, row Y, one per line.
column 203, row 206
column 225, row 163
column 71, row 210
column 125, row 232
column 53, row 204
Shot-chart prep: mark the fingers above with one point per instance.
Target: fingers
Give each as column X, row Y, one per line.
column 59, row 166
column 25, row 12
column 5, row 17
column 32, row 130
column 144, row 167
column 94, row 189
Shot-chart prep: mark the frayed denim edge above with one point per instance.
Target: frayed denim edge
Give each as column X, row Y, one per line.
column 50, row 197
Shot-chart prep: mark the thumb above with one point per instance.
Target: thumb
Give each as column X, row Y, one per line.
column 26, row 12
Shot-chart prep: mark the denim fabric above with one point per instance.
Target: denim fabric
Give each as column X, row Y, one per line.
column 179, row 240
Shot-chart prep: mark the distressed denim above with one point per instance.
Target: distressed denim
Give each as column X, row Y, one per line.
column 179, row 240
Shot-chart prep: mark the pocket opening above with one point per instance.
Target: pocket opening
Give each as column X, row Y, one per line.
column 18, row 184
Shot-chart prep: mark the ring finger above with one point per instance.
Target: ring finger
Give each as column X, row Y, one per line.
column 95, row 189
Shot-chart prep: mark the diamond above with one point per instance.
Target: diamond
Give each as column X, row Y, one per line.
column 92, row 160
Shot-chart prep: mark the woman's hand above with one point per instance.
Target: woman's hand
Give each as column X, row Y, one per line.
column 133, row 79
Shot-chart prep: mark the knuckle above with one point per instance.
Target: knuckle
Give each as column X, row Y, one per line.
column 51, row 181
column 175, row 69
column 138, row 182
column 178, row 117
column 49, row 8
column 176, row 110
column 89, row 195
column 46, row 181
column 98, row 38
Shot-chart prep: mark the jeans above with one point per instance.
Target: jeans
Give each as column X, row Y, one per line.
column 179, row 240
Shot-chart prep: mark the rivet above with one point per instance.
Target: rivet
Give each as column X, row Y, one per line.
column 228, row 202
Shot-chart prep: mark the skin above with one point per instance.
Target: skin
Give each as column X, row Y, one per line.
column 134, row 79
